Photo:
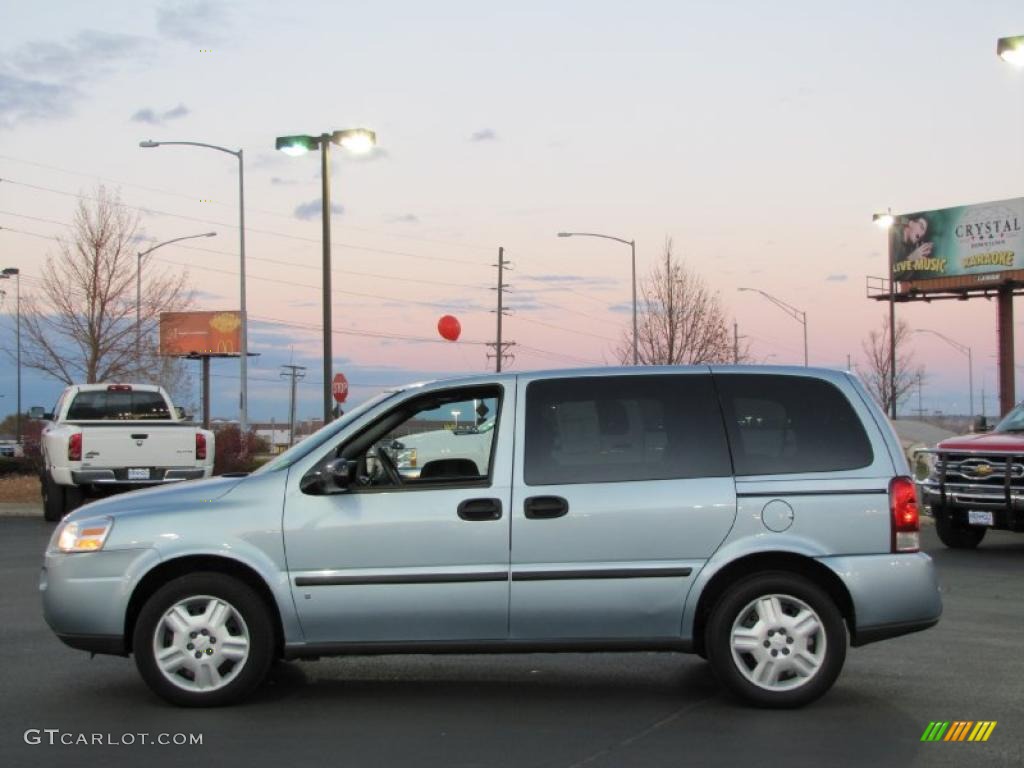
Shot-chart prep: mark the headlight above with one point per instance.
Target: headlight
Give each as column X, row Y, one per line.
column 84, row 535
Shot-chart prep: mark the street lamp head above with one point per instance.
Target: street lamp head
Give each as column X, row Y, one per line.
column 565, row 234
column 210, row 234
column 294, row 146
column 149, row 144
column 1011, row 49
column 883, row 220
column 11, row 271
column 746, row 289
column 358, row 141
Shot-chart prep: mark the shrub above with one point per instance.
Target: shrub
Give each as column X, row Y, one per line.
column 235, row 452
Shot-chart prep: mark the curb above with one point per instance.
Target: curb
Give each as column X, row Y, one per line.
column 21, row 510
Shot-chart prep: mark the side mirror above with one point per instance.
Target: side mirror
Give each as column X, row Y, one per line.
column 336, row 475
column 38, row 412
column 182, row 416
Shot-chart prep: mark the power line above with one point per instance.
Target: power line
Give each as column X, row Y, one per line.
column 300, row 238
column 182, row 195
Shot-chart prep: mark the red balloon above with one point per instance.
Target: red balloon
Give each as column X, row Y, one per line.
column 449, row 327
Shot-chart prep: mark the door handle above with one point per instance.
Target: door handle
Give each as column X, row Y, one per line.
column 545, row 507
column 476, row 510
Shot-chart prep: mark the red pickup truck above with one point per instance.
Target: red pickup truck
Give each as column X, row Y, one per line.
column 976, row 482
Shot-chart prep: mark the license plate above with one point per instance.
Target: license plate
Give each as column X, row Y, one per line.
column 980, row 517
column 143, row 474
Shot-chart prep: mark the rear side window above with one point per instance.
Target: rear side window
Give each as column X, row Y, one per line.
column 790, row 424
column 103, row 405
column 623, row 428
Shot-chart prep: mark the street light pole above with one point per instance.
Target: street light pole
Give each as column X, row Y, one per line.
column 632, row 250
column 16, row 273
column 963, row 349
column 243, row 400
column 797, row 314
column 357, row 141
column 138, row 288
column 325, row 215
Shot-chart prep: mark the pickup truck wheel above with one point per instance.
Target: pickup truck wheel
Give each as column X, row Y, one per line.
column 58, row 500
column 955, row 534
column 203, row 640
column 776, row 640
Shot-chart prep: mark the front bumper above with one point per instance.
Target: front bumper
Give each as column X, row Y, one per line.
column 86, row 594
column 892, row 594
column 1007, row 508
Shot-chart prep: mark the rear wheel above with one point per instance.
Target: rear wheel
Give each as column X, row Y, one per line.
column 204, row 640
column 775, row 639
column 956, row 534
column 58, row 500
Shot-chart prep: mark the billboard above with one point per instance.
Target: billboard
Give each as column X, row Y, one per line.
column 966, row 245
column 200, row 333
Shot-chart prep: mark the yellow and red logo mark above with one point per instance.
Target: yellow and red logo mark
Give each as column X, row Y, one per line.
column 958, row 730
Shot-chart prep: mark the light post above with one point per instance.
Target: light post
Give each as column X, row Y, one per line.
column 632, row 250
column 1011, row 50
column 7, row 274
column 243, row 404
column 963, row 349
column 885, row 221
column 799, row 315
column 138, row 288
column 356, row 141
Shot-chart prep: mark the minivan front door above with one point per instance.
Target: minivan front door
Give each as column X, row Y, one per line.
column 623, row 489
column 416, row 549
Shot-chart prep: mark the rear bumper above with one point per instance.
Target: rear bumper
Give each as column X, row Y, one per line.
column 892, row 595
column 158, row 476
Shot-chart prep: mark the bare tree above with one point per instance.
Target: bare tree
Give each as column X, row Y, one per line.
column 81, row 328
column 879, row 364
column 680, row 320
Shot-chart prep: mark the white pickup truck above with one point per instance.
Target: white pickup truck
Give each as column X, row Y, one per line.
column 116, row 437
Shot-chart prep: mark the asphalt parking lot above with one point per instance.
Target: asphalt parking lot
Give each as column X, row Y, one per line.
column 562, row 711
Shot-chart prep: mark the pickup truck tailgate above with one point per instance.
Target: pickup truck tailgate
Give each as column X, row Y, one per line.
column 111, row 446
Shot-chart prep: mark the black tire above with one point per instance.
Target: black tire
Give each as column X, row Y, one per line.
column 956, row 534
column 53, row 499
column 732, row 607
column 253, row 612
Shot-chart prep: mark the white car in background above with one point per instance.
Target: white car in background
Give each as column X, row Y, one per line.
column 116, row 437
column 468, row 442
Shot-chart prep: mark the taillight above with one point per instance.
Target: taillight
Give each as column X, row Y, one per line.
column 906, row 518
column 200, row 445
column 75, row 447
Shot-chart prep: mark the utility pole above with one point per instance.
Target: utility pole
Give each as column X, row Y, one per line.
column 849, row 363
column 499, row 345
column 295, row 373
column 735, row 343
column 920, row 410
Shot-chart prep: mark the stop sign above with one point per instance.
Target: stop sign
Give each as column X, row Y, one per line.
column 339, row 387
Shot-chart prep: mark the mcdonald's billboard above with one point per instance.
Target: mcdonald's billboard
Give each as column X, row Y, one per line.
column 183, row 334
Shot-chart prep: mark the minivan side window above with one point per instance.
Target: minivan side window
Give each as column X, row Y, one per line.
column 623, row 428
column 790, row 424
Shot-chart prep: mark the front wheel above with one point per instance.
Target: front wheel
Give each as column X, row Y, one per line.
column 204, row 640
column 955, row 534
column 775, row 639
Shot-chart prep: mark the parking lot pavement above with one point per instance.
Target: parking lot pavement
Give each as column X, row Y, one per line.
column 562, row 711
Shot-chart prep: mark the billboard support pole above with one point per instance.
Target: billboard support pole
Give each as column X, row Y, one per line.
column 1007, row 396
column 892, row 347
column 204, row 363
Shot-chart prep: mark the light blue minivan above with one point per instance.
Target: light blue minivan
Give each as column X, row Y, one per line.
column 761, row 517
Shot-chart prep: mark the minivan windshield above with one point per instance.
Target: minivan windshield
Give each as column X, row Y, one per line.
column 323, row 435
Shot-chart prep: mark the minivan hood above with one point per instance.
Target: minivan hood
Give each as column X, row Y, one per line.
column 158, row 499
